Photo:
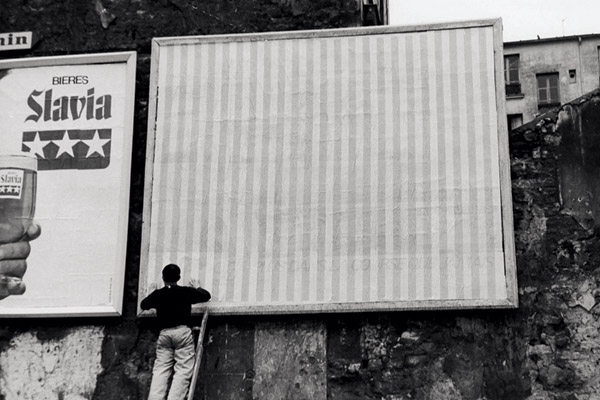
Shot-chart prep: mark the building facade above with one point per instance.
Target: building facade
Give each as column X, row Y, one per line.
column 544, row 73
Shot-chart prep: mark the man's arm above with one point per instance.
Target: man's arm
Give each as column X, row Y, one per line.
column 148, row 302
column 198, row 294
column 202, row 295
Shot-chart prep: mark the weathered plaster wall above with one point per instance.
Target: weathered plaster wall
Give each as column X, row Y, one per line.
column 546, row 349
column 36, row 366
column 560, row 56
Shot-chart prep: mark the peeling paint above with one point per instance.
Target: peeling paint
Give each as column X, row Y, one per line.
column 532, row 229
column 584, row 296
column 65, row 368
column 290, row 361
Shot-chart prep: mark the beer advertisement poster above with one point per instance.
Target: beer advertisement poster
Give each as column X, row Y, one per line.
column 73, row 116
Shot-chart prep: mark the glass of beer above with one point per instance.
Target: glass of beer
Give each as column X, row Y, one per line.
column 18, row 175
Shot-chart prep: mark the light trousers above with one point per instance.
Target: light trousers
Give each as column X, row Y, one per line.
column 174, row 357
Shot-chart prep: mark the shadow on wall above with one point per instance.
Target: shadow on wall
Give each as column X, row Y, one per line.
column 579, row 160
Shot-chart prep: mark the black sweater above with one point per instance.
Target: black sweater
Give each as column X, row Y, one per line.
column 173, row 304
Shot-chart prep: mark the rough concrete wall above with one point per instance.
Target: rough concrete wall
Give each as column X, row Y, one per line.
column 42, row 366
column 546, row 349
column 118, row 353
column 77, row 26
column 579, row 164
column 445, row 355
column 284, row 371
column 559, row 253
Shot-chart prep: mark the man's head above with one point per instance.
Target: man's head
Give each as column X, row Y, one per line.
column 171, row 273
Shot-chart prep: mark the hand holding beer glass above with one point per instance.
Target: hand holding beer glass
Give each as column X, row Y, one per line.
column 18, row 174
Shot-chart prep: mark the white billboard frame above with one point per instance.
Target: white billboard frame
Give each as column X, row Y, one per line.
column 510, row 285
column 109, row 274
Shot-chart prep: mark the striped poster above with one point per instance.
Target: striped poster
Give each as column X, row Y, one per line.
column 328, row 172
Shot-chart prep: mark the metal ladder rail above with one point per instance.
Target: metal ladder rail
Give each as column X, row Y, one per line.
column 198, row 359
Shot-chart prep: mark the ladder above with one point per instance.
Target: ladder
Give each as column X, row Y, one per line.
column 198, row 359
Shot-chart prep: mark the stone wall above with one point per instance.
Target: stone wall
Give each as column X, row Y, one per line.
column 547, row 349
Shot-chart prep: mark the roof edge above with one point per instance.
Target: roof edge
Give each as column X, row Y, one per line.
column 553, row 39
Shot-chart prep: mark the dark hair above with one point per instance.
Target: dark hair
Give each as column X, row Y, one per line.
column 171, row 273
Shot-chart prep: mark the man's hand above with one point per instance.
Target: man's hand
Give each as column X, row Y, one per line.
column 13, row 262
column 195, row 283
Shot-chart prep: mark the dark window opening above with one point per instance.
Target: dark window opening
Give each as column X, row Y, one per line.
column 514, row 121
column 372, row 13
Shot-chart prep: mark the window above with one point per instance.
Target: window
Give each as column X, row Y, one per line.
column 514, row 121
column 511, row 76
column 511, row 69
column 548, row 89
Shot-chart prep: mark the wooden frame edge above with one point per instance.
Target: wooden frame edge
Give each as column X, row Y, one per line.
column 504, row 167
column 130, row 78
column 129, row 58
column 421, row 305
column 148, row 174
column 323, row 33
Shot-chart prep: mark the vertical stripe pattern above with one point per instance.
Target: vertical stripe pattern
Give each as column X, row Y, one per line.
column 330, row 170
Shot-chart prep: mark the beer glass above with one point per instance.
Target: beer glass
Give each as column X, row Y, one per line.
column 18, row 174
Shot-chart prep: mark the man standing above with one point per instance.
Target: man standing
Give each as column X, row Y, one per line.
column 175, row 344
